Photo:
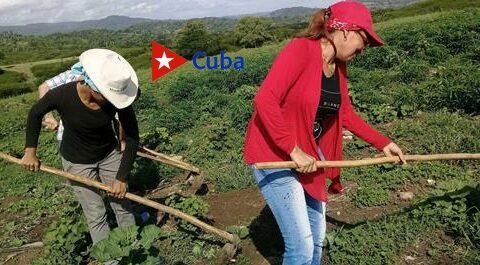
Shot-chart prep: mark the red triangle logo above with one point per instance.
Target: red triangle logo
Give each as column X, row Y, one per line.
column 164, row 60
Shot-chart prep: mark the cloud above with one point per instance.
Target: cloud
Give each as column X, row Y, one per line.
column 20, row 12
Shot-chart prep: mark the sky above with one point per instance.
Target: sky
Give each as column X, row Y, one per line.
column 20, row 12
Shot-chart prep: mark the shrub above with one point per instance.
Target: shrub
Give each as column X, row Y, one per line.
column 371, row 197
column 413, row 72
column 13, row 83
column 128, row 246
column 43, row 72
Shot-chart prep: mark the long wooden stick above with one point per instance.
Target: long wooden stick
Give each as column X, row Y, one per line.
column 206, row 227
column 155, row 153
column 166, row 159
column 371, row 161
column 147, row 153
column 23, row 247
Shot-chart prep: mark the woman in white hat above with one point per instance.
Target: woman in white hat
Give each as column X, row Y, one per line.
column 88, row 149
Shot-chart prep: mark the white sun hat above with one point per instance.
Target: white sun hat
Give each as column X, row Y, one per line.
column 113, row 76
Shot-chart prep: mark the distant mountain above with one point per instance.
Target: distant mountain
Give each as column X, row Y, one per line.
column 308, row 11
column 298, row 14
column 283, row 12
column 375, row 4
column 111, row 23
column 220, row 24
column 293, row 11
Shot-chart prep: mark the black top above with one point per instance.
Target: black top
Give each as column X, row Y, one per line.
column 88, row 136
column 330, row 100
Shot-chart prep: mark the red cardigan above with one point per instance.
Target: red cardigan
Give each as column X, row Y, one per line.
column 284, row 112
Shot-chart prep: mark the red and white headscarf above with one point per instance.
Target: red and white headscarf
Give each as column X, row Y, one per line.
column 335, row 23
column 352, row 15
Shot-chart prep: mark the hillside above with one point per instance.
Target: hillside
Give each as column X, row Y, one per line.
column 110, row 23
column 421, row 90
column 168, row 26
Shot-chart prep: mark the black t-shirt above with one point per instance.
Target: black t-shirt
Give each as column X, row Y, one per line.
column 330, row 100
column 88, row 136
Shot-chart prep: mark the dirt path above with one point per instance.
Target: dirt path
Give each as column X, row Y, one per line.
column 265, row 245
column 235, row 208
column 31, row 234
column 26, row 68
column 427, row 251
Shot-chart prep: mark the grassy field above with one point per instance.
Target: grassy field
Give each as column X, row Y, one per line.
column 422, row 90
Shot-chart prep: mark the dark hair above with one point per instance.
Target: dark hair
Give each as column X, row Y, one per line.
column 316, row 28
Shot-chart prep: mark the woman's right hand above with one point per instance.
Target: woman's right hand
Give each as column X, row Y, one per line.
column 305, row 163
column 30, row 160
column 50, row 122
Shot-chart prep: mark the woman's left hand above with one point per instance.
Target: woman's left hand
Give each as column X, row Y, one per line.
column 392, row 149
column 119, row 188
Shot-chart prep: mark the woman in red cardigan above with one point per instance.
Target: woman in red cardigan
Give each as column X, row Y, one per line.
column 299, row 112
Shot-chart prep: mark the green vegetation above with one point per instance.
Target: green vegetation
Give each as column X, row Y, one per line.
column 129, row 246
column 252, row 32
column 426, row 66
column 18, row 48
column 43, row 72
column 13, row 83
column 194, row 37
column 423, row 7
column 382, row 241
column 422, row 90
column 66, row 238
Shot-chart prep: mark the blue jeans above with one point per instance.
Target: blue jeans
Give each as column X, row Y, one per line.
column 300, row 217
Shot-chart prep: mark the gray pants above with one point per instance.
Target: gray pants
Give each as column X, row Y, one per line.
column 91, row 199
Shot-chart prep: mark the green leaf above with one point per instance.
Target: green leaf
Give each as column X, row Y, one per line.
column 149, row 234
column 242, row 231
column 99, row 251
column 116, row 235
column 131, row 233
column 152, row 260
column 115, row 250
column 17, row 242
column 197, row 250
